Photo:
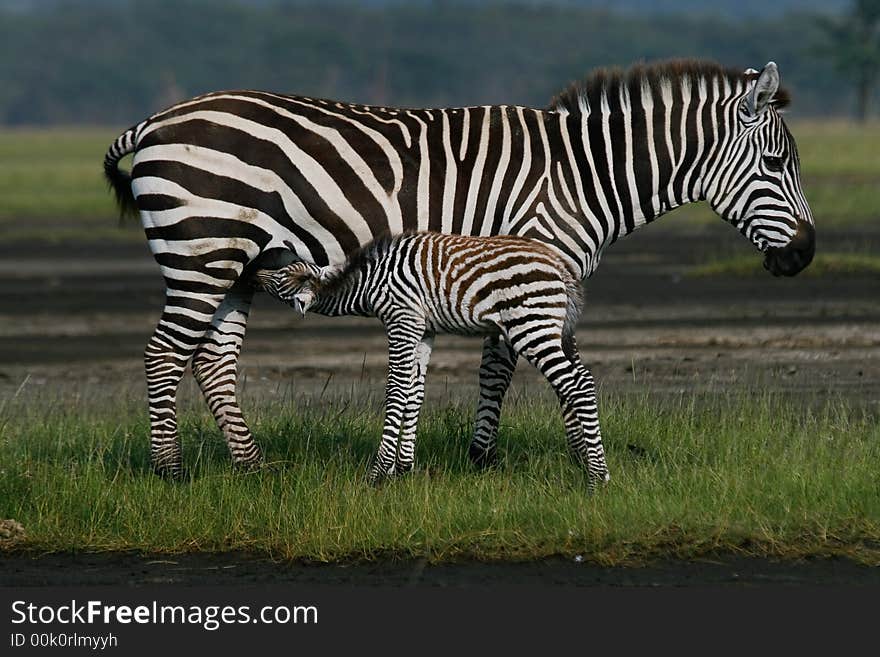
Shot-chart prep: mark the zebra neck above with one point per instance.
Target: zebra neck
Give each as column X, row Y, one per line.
column 639, row 157
column 344, row 295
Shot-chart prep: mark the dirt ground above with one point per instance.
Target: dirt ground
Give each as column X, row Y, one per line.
column 75, row 318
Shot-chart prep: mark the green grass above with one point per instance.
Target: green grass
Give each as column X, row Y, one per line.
column 759, row 476
column 54, row 173
column 838, row 148
column 52, row 187
column 824, row 264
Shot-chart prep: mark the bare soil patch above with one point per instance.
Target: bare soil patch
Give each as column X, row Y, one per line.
column 82, row 313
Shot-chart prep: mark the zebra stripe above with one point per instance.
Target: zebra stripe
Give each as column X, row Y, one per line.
column 224, row 180
column 424, row 283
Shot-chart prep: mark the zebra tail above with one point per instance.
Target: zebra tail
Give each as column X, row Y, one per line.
column 119, row 180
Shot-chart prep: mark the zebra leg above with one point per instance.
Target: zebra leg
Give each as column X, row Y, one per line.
column 579, row 413
column 215, row 365
column 590, row 447
column 179, row 332
column 496, row 371
column 406, row 449
column 403, row 336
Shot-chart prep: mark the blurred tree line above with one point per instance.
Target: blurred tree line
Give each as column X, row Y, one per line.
column 853, row 45
column 115, row 62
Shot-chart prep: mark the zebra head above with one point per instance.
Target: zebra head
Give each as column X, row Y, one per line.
column 296, row 284
column 755, row 183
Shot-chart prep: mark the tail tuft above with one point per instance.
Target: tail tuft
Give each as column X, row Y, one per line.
column 120, row 181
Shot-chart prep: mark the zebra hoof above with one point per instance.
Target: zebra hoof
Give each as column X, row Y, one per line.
column 483, row 459
column 598, row 480
column 171, row 473
column 251, row 465
column 378, row 476
column 402, row 469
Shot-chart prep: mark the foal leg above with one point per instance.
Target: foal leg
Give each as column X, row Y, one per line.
column 551, row 360
column 406, row 449
column 215, row 365
column 590, row 448
column 403, row 336
column 496, row 370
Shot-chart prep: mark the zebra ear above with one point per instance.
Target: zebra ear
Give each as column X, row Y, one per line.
column 764, row 90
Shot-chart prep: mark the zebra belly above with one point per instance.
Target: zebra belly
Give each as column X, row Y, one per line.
column 468, row 327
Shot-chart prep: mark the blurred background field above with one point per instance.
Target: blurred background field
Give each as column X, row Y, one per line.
column 109, row 62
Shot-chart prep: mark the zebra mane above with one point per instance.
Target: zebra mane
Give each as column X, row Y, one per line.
column 610, row 80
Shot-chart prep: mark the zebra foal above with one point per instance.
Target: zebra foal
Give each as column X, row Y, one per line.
column 419, row 284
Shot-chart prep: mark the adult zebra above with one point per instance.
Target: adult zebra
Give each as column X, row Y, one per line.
column 223, row 180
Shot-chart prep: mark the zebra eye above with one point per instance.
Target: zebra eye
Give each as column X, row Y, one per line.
column 773, row 162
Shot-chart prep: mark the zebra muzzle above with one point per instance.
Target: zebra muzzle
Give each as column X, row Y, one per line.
column 301, row 302
column 796, row 255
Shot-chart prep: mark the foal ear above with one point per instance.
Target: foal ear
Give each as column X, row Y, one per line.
column 764, row 90
column 326, row 273
column 262, row 278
